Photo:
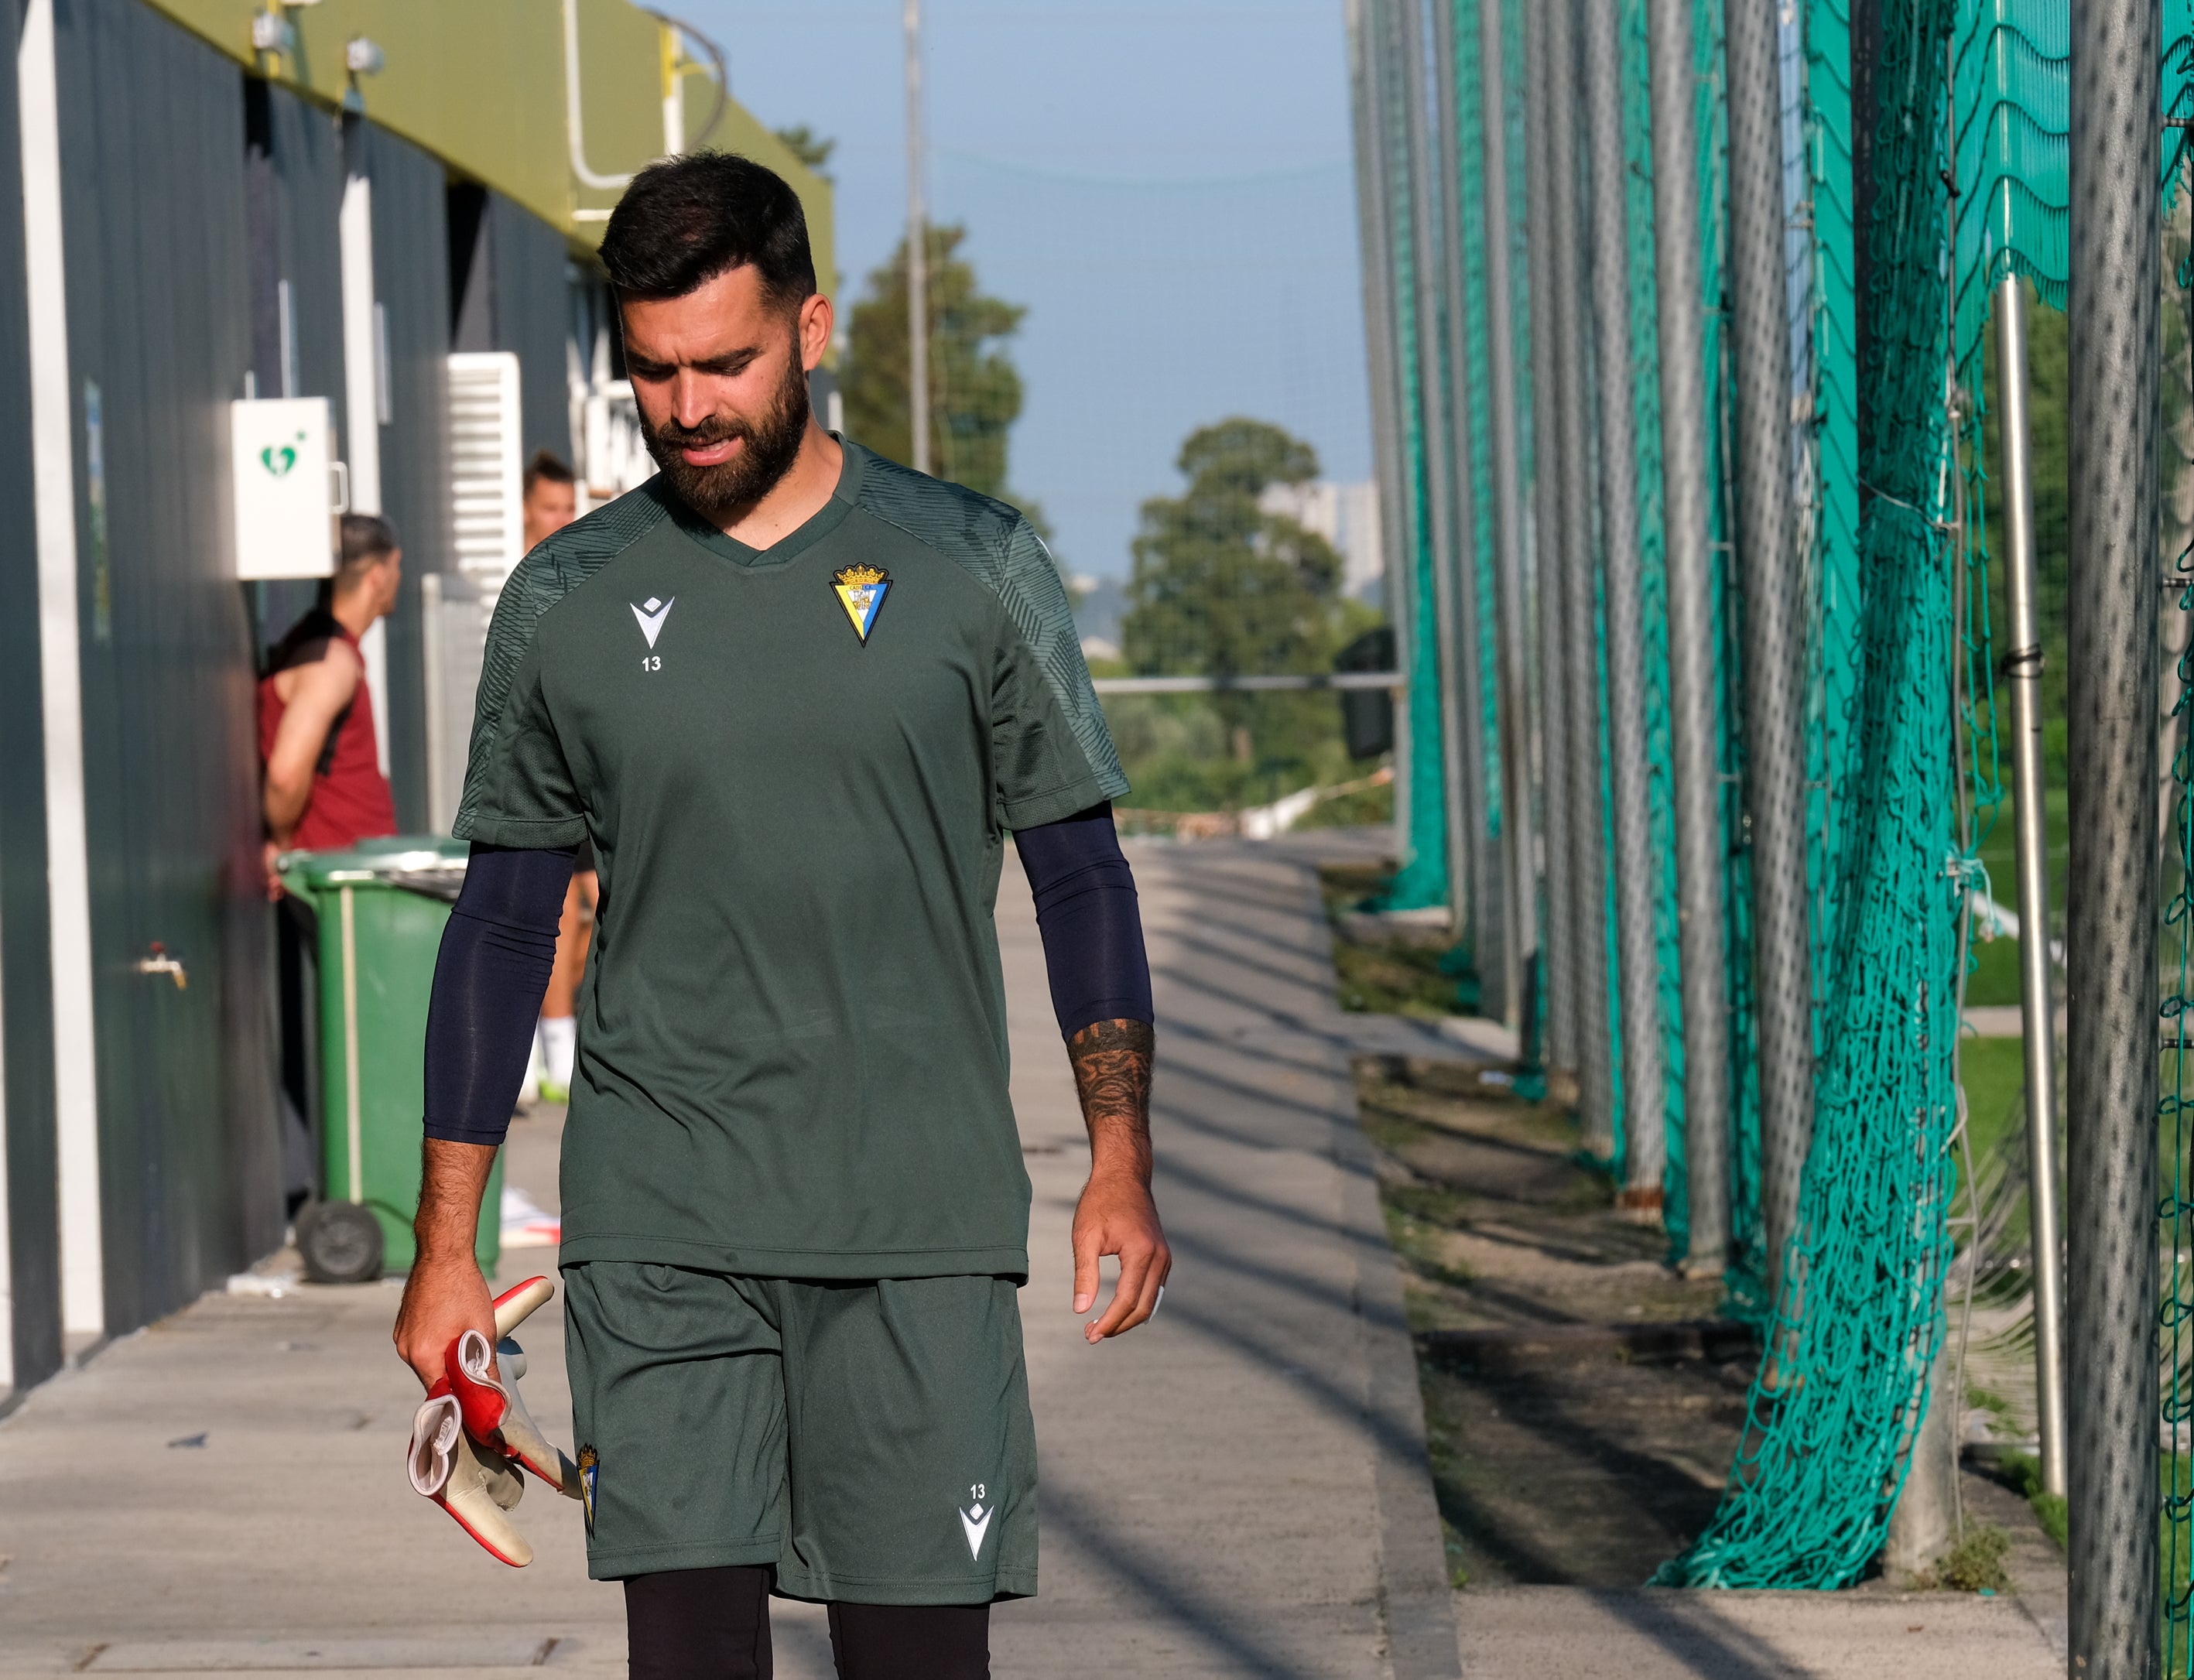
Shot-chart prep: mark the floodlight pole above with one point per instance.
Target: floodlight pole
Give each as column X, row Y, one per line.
column 2037, row 1018
column 1637, row 870
column 917, row 248
column 1688, row 538
column 1519, row 867
column 2111, row 1417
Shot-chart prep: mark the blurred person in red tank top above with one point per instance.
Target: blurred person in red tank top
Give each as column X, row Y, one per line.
column 325, row 790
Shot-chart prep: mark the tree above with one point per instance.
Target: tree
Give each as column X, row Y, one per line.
column 1224, row 587
column 1221, row 586
column 974, row 389
column 809, row 147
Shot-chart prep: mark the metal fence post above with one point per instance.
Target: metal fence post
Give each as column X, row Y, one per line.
column 1489, row 921
column 1637, row 873
column 1688, row 533
column 1457, row 700
column 2023, row 668
column 1774, row 620
column 1564, row 297
column 1513, row 713
column 1547, row 549
column 2111, row 903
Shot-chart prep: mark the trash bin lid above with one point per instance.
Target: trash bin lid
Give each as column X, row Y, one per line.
column 431, row 864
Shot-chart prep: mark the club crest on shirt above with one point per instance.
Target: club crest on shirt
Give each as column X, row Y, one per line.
column 861, row 591
column 590, row 1463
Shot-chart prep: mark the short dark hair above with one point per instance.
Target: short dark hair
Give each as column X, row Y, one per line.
column 685, row 221
column 546, row 464
column 366, row 539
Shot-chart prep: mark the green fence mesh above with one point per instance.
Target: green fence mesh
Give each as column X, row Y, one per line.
column 1854, row 1333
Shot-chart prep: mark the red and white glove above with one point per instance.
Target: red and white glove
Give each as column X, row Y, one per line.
column 473, row 1430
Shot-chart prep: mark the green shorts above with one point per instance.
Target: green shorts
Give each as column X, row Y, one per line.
column 871, row 1440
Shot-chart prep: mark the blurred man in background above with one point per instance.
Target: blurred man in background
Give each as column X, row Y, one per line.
column 325, row 790
column 552, row 502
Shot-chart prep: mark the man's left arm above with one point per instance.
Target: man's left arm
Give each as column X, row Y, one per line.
column 1091, row 923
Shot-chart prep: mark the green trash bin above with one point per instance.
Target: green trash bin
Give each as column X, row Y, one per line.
column 382, row 907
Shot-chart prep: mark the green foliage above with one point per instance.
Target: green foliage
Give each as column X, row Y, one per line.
column 2023, row 1471
column 1974, row 1564
column 974, row 389
column 1224, row 587
column 809, row 147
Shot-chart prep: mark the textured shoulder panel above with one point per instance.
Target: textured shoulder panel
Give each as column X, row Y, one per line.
column 554, row 568
column 994, row 543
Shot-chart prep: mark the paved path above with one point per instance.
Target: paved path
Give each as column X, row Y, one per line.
column 1240, row 1489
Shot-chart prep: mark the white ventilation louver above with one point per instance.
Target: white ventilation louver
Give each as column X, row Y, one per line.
column 485, row 473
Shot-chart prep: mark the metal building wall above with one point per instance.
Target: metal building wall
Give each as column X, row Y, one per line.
column 32, row 1261
column 160, row 340
column 412, row 282
column 514, row 292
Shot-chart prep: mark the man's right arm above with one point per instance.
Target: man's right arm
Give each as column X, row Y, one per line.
column 496, row 956
column 323, row 689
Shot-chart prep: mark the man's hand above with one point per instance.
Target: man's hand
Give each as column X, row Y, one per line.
column 443, row 1298
column 445, row 1294
column 1116, row 1215
column 269, row 852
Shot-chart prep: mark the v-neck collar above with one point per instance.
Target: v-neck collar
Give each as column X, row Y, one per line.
column 794, row 542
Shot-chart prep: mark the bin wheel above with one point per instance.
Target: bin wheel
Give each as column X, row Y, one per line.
column 341, row 1242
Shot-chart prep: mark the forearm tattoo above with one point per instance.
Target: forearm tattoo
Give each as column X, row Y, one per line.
column 1111, row 1062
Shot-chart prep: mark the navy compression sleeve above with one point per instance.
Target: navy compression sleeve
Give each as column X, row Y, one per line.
column 1091, row 923
column 494, row 965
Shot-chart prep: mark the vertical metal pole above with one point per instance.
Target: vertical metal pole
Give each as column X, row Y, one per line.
column 1688, row 533
column 2023, row 668
column 1457, row 708
column 917, row 248
column 1519, row 867
column 2111, row 903
column 1774, row 620
column 1637, row 871
column 1546, row 550
column 1564, row 298
column 1379, row 343
column 1488, row 919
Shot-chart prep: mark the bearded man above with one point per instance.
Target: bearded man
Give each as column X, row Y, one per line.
column 796, row 698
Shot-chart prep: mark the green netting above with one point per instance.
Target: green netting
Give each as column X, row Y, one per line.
column 1480, row 539
column 1421, row 881
column 1856, row 1328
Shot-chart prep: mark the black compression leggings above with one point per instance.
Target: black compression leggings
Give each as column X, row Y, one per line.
column 714, row 1624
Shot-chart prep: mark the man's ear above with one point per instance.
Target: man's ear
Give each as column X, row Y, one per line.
column 816, row 320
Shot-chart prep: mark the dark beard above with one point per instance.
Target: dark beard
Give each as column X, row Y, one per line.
column 720, row 493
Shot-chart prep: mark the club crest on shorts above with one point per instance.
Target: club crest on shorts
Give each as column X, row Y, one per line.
column 589, row 1463
column 861, row 591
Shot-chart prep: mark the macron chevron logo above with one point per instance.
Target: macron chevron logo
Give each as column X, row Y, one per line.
column 652, row 616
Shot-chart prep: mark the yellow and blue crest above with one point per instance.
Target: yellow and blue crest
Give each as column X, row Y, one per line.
column 861, row 590
column 589, row 1467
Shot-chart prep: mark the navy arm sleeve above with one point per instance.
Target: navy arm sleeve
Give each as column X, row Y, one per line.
column 1092, row 926
column 494, row 965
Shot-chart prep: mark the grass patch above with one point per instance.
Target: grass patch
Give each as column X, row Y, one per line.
column 2023, row 1470
column 1974, row 1564
column 1994, row 1073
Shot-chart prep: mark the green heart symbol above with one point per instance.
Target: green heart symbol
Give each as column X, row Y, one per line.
column 278, row 461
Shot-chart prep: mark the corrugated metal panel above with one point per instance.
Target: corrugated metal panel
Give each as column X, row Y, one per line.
column 533, row 317
column 412, row 282
column 159, row 329
column 26, row 1027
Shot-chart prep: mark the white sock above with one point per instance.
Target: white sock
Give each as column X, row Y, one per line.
column 559, row 1034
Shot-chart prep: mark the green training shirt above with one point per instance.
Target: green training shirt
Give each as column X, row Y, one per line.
column 798, row 766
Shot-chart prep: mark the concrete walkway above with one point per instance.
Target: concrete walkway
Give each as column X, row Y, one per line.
column 1238, row 1489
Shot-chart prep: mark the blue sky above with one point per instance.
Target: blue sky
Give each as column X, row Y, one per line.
column 1168, row 188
